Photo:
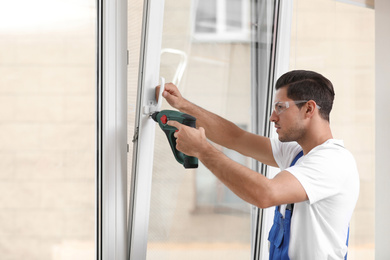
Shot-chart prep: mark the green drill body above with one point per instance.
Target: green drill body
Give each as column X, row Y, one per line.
column 162, row 118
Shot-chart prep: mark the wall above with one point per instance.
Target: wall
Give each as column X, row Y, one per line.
column 337, row 40
column 47, row 130
column 382, row 108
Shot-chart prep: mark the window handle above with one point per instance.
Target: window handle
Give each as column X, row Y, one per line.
column 152, row 105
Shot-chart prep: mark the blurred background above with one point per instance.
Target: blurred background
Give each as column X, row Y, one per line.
column 47, row 120
column 47, row 129
column 193, row 215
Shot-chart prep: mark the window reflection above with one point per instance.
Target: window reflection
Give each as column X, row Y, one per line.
column 221, row 20
column 206, row 16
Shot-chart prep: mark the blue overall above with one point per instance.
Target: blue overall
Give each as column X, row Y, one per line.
column 279, row 235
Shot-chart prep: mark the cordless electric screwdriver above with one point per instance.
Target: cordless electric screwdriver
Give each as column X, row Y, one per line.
column 162, row 118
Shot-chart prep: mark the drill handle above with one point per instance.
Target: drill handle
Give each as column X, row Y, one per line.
column 179, row 156
column 188, row 162
column 162, row 118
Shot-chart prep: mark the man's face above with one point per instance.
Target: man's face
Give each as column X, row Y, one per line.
column 288, row 118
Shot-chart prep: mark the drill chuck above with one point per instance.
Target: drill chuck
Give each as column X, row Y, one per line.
column 154, row 116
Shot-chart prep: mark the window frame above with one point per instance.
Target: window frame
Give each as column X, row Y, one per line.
column 143, row 141
column 271, row 51
column 111, row 130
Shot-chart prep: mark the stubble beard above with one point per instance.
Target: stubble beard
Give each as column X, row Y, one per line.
column 293, row 134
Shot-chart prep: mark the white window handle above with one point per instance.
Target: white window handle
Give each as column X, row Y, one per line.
column 152, row 105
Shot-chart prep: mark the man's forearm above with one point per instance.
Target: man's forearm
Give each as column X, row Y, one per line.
column 245, row 183
column 218, row 129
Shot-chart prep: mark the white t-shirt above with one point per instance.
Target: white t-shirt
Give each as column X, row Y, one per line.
column 329, row 175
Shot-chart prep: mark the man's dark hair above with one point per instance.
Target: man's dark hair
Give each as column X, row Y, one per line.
column 308, row 85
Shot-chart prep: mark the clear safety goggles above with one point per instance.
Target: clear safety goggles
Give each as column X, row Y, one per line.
column 281, row 106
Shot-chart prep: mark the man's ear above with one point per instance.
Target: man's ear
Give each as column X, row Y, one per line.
column 310, row 107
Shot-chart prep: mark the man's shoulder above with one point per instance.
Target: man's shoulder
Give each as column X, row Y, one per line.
column 331, row 155
column 332, row 148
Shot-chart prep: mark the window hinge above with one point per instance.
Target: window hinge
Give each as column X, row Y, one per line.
column 135, row 136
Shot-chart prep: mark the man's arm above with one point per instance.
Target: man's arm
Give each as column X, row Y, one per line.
column 247, row 184
column 222, row 131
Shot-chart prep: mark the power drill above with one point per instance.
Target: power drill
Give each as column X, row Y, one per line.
column 162, row 118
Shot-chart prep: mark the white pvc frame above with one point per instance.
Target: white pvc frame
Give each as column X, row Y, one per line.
column 382, row 125
column 281, row 65
column 276, row 59
column 111, row 160
column 141, row 182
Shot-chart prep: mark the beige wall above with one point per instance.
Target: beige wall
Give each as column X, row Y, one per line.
column 338, row 40
column 47, row 133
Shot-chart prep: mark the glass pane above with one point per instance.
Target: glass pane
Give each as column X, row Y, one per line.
column 211, row 194
column 234, row 15
column 346, row 56
column 47, row 129
column 206, row 16
column 134, row 25
column 193, row 215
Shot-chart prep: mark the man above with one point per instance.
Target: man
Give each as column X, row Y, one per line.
column 324, row 182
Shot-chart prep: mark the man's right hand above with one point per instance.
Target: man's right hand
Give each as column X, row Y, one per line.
column 172, row 95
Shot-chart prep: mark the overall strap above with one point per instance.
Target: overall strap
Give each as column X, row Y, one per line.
column 347, row 244
column 299, row 155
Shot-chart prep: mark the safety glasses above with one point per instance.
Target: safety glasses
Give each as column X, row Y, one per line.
column 281, row 106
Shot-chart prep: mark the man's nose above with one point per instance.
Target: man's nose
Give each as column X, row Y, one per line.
column 273, row 117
